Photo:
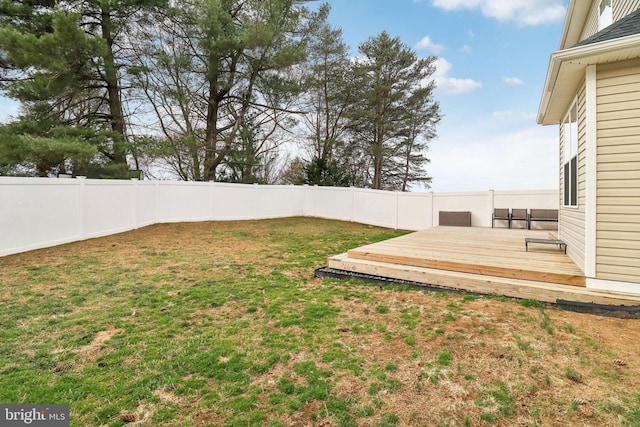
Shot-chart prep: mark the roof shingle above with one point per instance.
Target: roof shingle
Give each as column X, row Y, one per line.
column 627, row 26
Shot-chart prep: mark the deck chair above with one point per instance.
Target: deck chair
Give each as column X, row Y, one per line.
column 500, row 215
column 520, row 215
column 547, row 215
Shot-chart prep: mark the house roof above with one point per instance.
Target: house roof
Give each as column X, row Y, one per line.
column 577, row 13
column 618, row 42
column 627, row 26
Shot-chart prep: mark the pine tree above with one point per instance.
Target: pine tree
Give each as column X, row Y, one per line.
column 65, row 59
column 393, row 85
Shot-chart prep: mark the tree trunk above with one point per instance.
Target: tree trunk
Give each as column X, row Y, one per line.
column 113, row 91
column 211, row 134
column 378, row 160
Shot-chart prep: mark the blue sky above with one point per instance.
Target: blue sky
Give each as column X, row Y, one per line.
column 492, row 63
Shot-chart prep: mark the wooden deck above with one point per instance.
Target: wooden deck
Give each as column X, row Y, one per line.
column 481, row 260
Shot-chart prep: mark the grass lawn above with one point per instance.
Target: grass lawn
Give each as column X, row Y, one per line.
column 223, row 324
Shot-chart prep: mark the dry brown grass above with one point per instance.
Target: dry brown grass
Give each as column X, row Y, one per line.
column 134, row 303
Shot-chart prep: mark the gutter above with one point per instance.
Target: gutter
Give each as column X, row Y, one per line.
column 567, row 23
column 582, row 55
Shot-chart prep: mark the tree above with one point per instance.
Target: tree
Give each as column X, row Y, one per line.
column 422, row 116
column 246, row 42
column 169, row 75
column 255, row 155
column 65, row 58
column 294, row 173
column 323, row 172
column 327, row 83
column 327, row 88
column 33, row 151
column 210, row 90
column 31, row 17
column 242, row 163
column 391, row 82
column 223, row 64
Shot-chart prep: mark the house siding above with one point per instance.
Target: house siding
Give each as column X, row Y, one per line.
column 618, row 172
column 591, row 23
column 572, row 219
column 622, row 8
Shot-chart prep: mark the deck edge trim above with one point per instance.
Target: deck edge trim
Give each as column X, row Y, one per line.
column 619, row 311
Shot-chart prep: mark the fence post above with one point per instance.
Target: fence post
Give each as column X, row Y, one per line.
column 212, row 203
column 397, row 210
column 353, row 203
column 156, row 210
column 433, row 208
column 256, row 200
column 492, row 205
column 82, row 201
column 135, row 198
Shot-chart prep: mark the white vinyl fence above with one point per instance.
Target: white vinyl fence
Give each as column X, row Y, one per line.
column 42, row 212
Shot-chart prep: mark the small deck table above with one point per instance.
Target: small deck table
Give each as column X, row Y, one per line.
column 560, row 243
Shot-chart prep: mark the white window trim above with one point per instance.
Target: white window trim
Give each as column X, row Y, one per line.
column 605, row 14
column 569, row 138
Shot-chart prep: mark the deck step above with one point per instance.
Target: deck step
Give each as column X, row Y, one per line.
column 482, row 283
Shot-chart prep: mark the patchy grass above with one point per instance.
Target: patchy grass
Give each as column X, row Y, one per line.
column 223, row 324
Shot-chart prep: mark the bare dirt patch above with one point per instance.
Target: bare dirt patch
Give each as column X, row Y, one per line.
column 92, row 351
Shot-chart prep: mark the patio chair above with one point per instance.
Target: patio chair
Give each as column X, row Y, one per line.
column 520, row 215
column 501, row 215
column 548, row 215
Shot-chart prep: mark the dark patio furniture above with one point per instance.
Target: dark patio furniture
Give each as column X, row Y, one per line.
column 546, row 215
column 455, row 219
column 560, row 243
column 520, row 215
column 500, row 214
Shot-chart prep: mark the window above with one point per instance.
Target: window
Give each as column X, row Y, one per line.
column 570, row 157
column 605, row 18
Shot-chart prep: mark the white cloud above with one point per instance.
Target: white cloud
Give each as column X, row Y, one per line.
column 513, row 81
column 360, row 60
column 513, row 116
column 427, row 44
column 457, row 4
column 452, row 85
column 500, row 115
column 521, row 159
column 523, row 12
column 466, row 49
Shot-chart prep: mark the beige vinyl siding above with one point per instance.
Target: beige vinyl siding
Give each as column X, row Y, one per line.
column 618, row 172
column 622, row 8
column 572, row 219
column 591, row 23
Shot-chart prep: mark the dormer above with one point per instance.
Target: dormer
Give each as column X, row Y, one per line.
column 586, row 18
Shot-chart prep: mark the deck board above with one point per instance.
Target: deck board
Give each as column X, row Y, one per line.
column 480, row 260
column 493, row 252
